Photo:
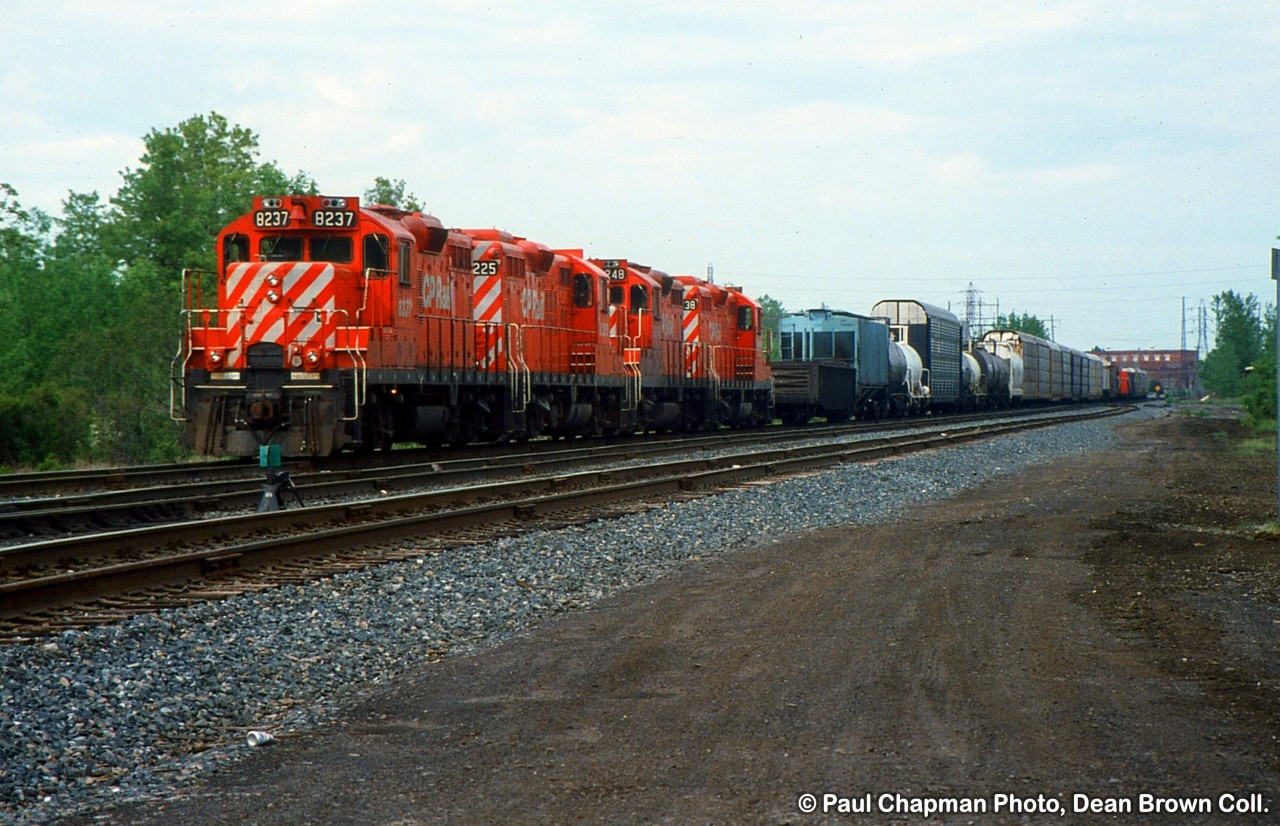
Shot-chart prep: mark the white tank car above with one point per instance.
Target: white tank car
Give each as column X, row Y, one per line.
column 909, row 389
column 970, row 378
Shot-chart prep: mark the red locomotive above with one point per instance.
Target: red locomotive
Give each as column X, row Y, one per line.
column 335, row 326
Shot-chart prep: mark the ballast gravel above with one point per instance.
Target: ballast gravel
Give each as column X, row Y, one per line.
column 92, row 718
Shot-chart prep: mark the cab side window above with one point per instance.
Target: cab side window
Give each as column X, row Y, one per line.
column 404, row 263
column 235, row 248
column 639, row 298
column 377, row 252
column 582, row 290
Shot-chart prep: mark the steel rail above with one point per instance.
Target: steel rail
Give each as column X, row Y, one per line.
column 388, row 519
column 44, row 489
column 109, row 510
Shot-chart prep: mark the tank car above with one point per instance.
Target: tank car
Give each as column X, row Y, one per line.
column 935, row 335
column 995, row 386
column 908, row 390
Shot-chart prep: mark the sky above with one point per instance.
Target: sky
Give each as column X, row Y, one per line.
column 1093, row 163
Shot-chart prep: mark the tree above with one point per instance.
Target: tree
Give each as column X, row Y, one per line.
column 89, row 303
column 192, row 181
column 1237, row 344
column 391, row 193
column 1260, row 403
column 43, row 420
column 771, row 310
column 1022, row 322
column 23, row 247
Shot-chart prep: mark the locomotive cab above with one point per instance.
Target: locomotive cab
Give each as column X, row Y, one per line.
column 308, row 290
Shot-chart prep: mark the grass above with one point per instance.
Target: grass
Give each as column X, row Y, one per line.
column 1257, row 445
column 1267, row 530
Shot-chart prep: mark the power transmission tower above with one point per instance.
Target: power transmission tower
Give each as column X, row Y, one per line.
column 972, row 313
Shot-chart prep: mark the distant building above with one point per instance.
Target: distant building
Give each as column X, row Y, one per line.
column 1174, row 369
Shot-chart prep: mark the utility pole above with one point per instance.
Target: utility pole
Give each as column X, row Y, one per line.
column 1275, row 276
column 1185, row 384
column 1202, row 341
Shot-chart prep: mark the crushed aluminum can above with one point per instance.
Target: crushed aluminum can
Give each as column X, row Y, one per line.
column 260, row 738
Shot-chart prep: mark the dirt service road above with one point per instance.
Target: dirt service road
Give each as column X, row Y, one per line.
column 1099, row 627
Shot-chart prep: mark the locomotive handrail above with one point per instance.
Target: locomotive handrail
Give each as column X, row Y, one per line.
column 369, row 274
column 631, row 388
column 178, row 375
column 359, row 388
column 521, row 378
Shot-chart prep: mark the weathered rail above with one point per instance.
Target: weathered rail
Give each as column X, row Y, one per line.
column 245, row 546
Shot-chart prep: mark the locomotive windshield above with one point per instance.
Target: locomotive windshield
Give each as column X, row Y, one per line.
column 333, row 248
column 336, row 248
column 280, row 248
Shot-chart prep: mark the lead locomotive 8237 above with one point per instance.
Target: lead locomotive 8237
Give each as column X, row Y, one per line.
column 329, row 325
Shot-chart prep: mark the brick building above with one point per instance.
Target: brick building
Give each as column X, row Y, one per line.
column 1174, row 369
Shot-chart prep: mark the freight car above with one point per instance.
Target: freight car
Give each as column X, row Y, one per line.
column 331, row 325
column 1049, row 371
column 993, row 386
column 1132, row 383
column 934, row 334
column 839, row 364
column 835, row 364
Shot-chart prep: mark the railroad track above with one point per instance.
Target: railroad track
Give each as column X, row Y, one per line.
column 172, row 493
column 49, row 586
